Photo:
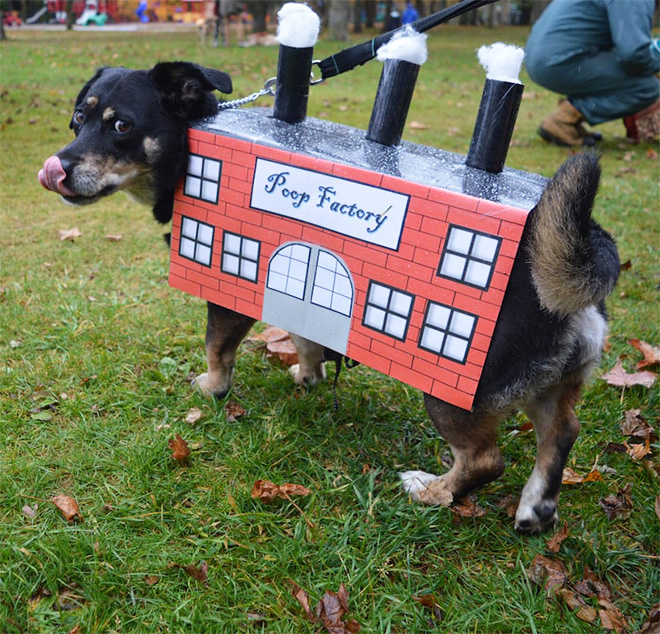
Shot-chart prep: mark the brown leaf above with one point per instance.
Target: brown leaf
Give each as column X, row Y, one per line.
column 611, row 618
column 591, row 586
column 330, row 610
column 199, row 573
column 429, row 601
column 617, row 504
column 576, row 603
column 556, row 540
column 652, row 624
column 233, row 411
column 416, row 125
column 468, row 507
column 303, row 598
column 282, row 351
column 193, row 415
column 569, row 476
column 68, row 506
column 626, row 266
column 267, row 491
column 651, row 353
column 75, row 630
column 639, row 450
column 151, row 580
column 635, row 425
column 510, row 504
column 651, row 154
column 256, row 618
column 179, row 447
column 617, row 376
column 657, row 506
column 548, row 573
column 270, row 334
column 69, row 234
column 114, row 237
column 30, row 511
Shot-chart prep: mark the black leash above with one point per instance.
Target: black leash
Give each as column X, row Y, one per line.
column 359, row 54
column 337, row 357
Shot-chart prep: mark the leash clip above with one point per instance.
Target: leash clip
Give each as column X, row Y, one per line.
column 312, row 81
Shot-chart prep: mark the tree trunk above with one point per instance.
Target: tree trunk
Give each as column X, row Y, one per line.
column 338, row 19
column 357, row 16
column 370, row 11
column 70, row 17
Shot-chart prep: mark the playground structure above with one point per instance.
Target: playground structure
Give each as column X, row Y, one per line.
column 394, row 254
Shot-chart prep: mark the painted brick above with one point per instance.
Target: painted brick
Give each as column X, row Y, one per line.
column 410, row 269
column 480, row 342
column 467, row 385
column 433, row 226
column 428, row 258
column 485, row 327
column 232, row 196
column 409, row 376
column 212, row 151
column 220, row 298
column 375, row 361
column 458, row 288
column 193, row 146
column 499, row 281
column 413, row 220
column 328, row 240
column 185, row 285
column 511, row 231
column 354, row 264
column 357, row 336
column 460, row 399
column 237, row 145
column 241, row 186
column 422, row 240
column 433, row 371
column 473, row 221
column 231, row 170
column 508, row 248
column 471, row 369
column 247, row 308
column 244, row 294
column 431, row 290
column 242, row 158
column 271, row 153
column 177, row 269
column 245, row 215
column 283, row 225
column 396, row 356
column 203, row 279
column 431, row 209
column 469, row 304
column 310, row 163
column 405, row 187
column 477, row 357
column 453, row 199
column 494, row 297
column 197, row 134
column 225, row 223
column 397, row 280
column 368, row 253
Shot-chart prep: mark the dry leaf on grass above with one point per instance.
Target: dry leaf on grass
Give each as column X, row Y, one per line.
column 416, row 125
column 617, row 504
column 68, row 506
column 651, row 353
column 652, row 624
column 151, row 580
column 556, row 540
column 69, row 234
column 618, row 377
column 330, row 611
column 509, row 504
column 430, row 602
column 193, row 415
column 611, row 618
column 639, row 450
column 468, row 507
column 179, row 447
column 267, row 491
column 233, row 411
column 30, row 511
column 635, row 425
column 114, row 237
column 657, row 506
column 199, row 573
column 282, row 351
column 569, row 476
column 270, row 334
column 547, row 573
column 576, row 603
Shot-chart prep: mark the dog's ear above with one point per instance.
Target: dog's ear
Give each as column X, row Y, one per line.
column 186, row 88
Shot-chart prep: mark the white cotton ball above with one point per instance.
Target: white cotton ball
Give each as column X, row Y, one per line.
column 407, row 45
column 502, row 61
column 298, row 26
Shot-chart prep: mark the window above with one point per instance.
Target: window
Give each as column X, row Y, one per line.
column 240, row 256
column 388, row 310
column 196, row 242
column 469, row 257
column 203, row 178
column 287, row 271
column 332, row 285
column 447, row 332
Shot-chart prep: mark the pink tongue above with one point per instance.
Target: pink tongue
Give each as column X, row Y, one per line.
column 52, row 176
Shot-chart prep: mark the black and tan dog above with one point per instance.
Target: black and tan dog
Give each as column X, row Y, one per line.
column 131, row 135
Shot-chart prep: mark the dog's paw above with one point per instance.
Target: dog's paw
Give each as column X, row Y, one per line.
column 210, row 388
column 536, row 518
column 311, row 377
column 426, row 488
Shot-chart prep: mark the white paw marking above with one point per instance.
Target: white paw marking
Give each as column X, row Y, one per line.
column 414, row 482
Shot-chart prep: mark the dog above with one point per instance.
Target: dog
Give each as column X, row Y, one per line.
column 130, row 131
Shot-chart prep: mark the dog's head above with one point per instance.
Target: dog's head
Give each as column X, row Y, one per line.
column 130, row 128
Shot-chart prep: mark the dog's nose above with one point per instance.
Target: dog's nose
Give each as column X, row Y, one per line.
column 66, row 164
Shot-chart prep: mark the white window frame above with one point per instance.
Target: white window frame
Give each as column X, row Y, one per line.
column 332, row 287
column 196, row 241
column 240, row 256
column 288, row 270
column 386, row 308
column 203, row 178
column 446, row 330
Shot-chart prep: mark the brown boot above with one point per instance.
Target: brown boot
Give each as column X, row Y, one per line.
column 565, row 127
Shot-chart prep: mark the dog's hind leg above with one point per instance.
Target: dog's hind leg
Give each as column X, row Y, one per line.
column 310, row 369
column 556, row 427
column 225, row 329
column 472, row 437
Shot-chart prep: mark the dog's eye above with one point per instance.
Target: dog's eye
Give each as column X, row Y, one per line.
column 122, row 126
column 78, row 117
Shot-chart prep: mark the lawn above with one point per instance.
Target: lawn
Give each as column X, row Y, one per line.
column 96, row 357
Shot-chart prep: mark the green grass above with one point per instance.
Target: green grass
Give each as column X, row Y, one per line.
column 96, row 352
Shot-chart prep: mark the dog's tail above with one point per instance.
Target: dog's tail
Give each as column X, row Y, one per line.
column 574, row 262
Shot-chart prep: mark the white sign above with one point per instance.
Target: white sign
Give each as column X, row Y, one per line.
column 353, row 209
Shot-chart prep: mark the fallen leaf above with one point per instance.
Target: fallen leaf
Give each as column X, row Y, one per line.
column 68, row 506
column 429, row 601
column 270, row 334
column 626, row 266
column 651, row 353
column 657, row 506
column 30, row 511
column 114, row 237
column 576, row 603
column 635, row 425
column 416, row 125
column 510, row 504
column 303, row 598
column 151, row 580
column 569, row 476
column 651, row 154
column 611, row 618
column 179, row 447
column 199, row 573
column 69, row 234
column 75, row 630
column 591, row 586
column 556, row 540
column 617, row 504
column 282, row 351
column 193, row 415
column 617, row 376
column 547, row 573
column 233, row 411
column 652, row 624
column 639, row 450
column 468, row 507
column 267, row 491
column 255, row 618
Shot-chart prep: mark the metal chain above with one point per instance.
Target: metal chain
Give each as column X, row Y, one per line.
column 268, row 89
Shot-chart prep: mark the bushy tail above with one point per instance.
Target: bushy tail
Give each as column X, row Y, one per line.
column 574, row 262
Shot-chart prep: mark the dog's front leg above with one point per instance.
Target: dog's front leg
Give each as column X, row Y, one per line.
column 556, row 427
column 310, row 369
column 225, row 329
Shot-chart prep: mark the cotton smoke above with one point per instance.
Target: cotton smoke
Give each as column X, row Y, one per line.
column 407, row 45
column 298, row 26
column 501, row 61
